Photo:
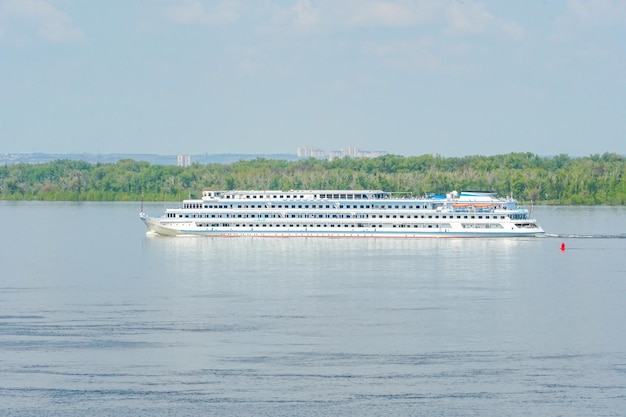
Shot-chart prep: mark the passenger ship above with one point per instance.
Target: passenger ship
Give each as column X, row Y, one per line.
column 345, row 213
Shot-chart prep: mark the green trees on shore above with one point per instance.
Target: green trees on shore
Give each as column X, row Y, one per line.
column 597, row 179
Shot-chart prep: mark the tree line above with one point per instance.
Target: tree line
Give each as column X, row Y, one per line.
column 595, row 179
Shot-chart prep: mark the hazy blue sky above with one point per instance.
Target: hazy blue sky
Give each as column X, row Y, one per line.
column 412, row 77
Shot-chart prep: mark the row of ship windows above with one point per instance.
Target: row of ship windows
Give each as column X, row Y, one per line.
column 421, row 226
column 310, row 196
column 306, row 206
column 334, row 216
column 408, row 226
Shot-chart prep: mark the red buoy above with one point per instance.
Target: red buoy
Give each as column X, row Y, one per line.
column 562, row 246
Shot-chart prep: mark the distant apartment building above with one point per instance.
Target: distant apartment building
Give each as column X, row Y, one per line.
column 351, row 151
column 184, row 160
column 310, row 152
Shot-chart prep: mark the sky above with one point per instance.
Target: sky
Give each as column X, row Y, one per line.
column 409, row 77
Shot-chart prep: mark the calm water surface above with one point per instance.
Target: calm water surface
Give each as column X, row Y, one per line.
column 97, row 318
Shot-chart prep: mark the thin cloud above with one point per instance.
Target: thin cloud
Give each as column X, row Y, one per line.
column 196, row 12
column 49, row 22
column 471, row 18
column 581, row 18
column 305, row 15
column 392, row 13
column 453, row 16
column 598, row 12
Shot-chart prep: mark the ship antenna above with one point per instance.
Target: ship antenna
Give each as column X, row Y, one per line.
column 142, row 202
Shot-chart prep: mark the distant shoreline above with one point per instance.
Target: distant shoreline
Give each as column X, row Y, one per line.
column 531, row 179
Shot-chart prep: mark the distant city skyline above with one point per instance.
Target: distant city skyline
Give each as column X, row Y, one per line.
column 346, row 151
column 444, row 77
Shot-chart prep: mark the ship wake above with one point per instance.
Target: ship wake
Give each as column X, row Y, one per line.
column 581, row 236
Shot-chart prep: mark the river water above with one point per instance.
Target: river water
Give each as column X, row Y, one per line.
column 97, row 318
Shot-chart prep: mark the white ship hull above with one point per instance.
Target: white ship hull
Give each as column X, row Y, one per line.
column 363, row 214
